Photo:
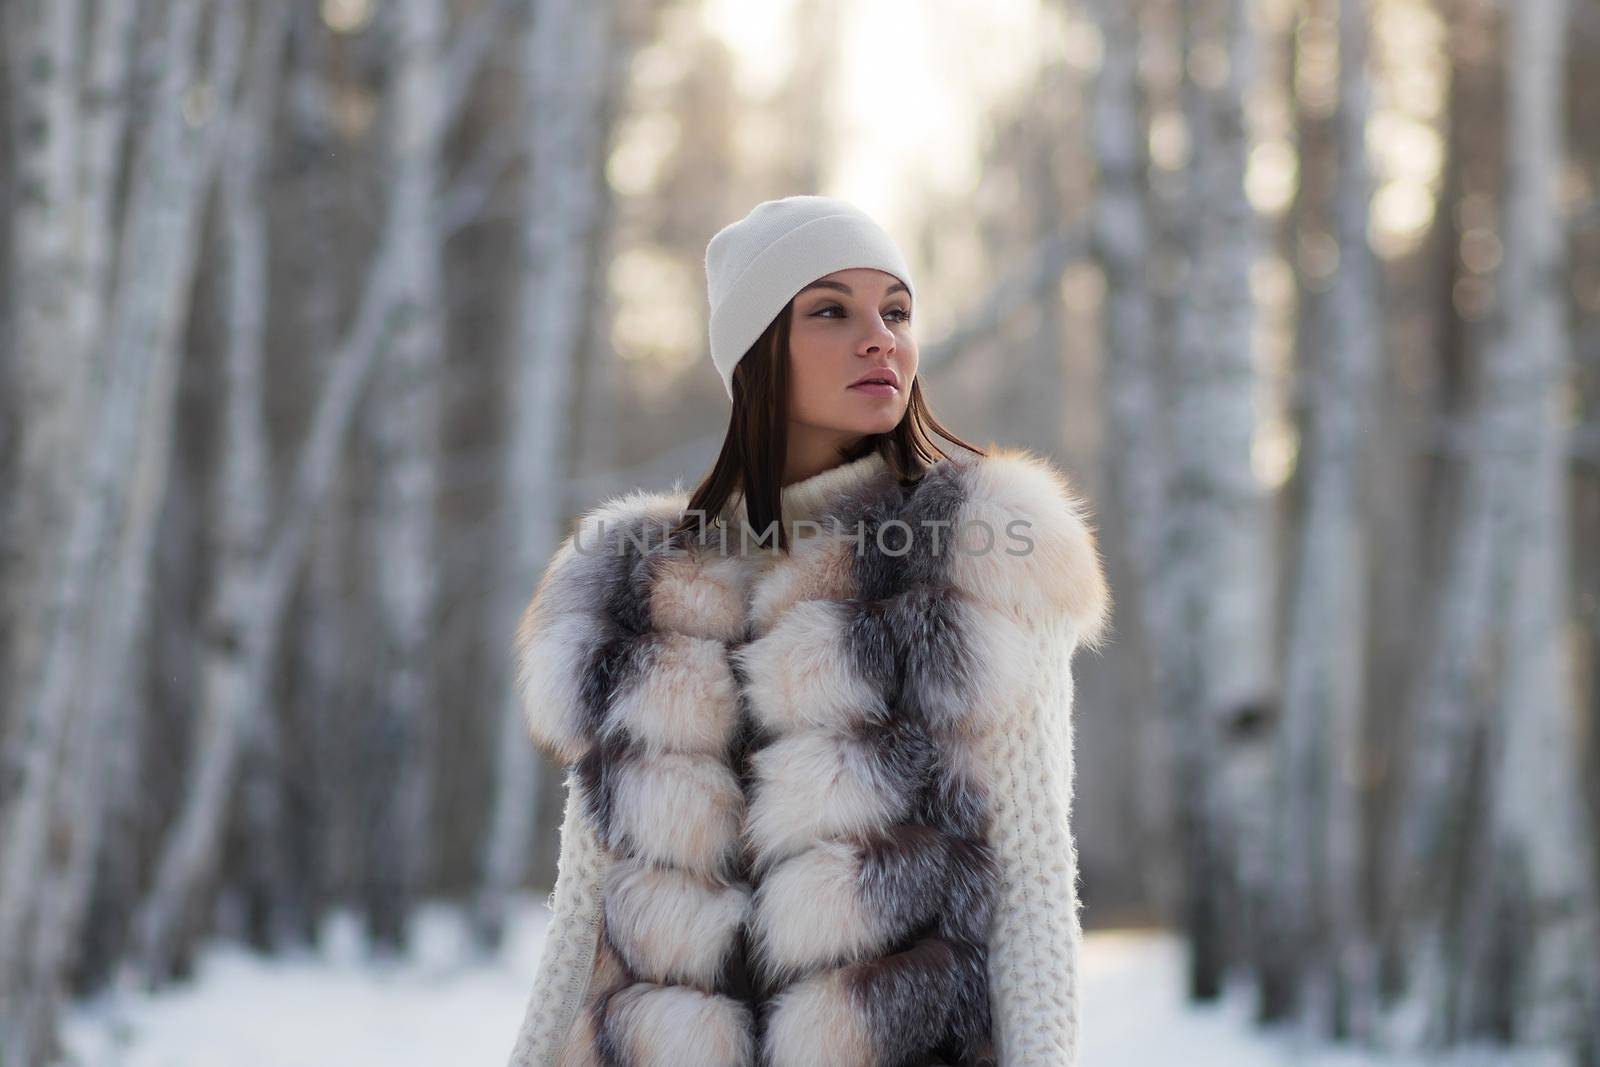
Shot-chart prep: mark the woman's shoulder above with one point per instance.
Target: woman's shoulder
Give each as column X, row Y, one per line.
column 576, row 605
column 1025, row 539
column 629, row 512
column 600, row 533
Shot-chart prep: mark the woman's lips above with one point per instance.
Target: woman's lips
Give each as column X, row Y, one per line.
column 875, row 388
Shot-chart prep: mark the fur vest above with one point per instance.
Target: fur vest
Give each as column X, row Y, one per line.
column 781, row 761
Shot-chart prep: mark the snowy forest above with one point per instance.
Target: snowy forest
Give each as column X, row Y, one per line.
column 320, row 320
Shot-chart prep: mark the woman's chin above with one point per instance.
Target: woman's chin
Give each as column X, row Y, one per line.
column 875, row 422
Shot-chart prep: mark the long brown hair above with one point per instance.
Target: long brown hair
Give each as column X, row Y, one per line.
column 757, row 443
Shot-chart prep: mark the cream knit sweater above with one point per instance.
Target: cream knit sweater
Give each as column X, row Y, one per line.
column 1034, row 946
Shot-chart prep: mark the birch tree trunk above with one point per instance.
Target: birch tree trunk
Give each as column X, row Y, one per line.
column 50, row 342
column 1220, row 671
column 1532, row 937
column 1138, row 450
column 406, row 425
column 1324, row 958
column 1412, row 515
column 93, row 596
column 324, row 629
column 1447, row 706
column 573, row 66
column 44, row 42
column 244, row 488
column 80, row 808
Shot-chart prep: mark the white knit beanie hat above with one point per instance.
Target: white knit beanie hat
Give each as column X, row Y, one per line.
column 756, row 265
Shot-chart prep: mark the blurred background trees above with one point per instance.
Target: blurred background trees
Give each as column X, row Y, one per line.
column 320, row 320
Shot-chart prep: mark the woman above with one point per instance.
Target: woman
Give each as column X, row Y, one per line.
column 815, row 715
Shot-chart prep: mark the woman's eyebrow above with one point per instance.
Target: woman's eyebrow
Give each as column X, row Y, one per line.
column 824, row 283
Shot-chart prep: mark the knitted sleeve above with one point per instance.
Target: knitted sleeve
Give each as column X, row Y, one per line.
column 566, row 961
column 1035, row 938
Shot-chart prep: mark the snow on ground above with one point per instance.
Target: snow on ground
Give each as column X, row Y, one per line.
column 1135, row 1016
column 442, row 1007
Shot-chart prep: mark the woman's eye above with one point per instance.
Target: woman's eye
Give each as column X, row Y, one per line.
column 904, row 313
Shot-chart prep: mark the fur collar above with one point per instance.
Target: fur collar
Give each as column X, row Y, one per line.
column 1045, row 558
column 811, row 497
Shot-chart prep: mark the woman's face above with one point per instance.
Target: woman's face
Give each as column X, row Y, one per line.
column 848, row 326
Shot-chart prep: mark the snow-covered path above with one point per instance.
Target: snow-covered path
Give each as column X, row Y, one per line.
column 440, row 1007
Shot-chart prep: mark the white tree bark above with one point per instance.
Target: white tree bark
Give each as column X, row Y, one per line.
column 1138, row 448
column 50, row 341
column 405, row 418
column 80, row 808
column 244, row 487
column 572, row 66
column 325, row 628
column 92, row 596
column 1220, row 654
column 1327, row 952
column 44, row 42
column 1540, row 881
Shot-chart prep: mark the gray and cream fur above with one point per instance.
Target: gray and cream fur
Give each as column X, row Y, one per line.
column 777, row 753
